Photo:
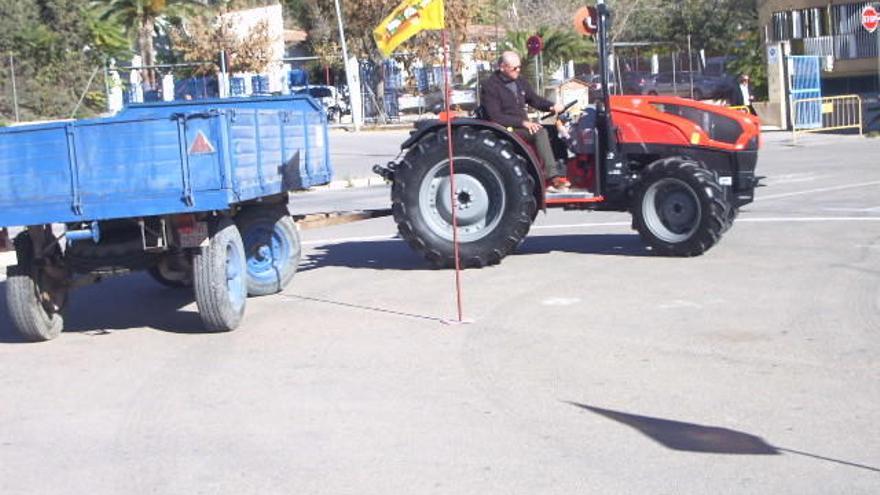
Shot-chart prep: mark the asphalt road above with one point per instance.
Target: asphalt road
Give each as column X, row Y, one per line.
column 589, row 365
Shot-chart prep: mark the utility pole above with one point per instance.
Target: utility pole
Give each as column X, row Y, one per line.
column 355, row 114
column 14, row 89
column 691, row 66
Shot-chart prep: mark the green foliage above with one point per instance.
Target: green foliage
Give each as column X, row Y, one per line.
column 748, row 60
column 560, row 46
column 54, row 50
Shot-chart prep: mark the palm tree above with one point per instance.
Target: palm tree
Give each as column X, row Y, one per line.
column 140, row 17
column 559, row 47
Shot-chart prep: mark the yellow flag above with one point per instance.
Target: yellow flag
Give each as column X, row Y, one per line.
column 406, row 21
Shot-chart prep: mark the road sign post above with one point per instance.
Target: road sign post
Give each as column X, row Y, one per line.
column 870, row 21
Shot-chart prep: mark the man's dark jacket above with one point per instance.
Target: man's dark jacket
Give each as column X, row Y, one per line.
column 735, row 96
column 504, row 100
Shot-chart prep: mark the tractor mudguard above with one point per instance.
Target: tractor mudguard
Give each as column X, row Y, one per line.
column 428, row 126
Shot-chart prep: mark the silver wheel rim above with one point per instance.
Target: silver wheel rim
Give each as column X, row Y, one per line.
column 671, row 210
column 480, row 199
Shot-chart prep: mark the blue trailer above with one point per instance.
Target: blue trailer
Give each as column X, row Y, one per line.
column 195, row 192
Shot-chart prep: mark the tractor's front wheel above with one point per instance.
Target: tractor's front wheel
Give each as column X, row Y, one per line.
column 679, row 209
column 494, row 201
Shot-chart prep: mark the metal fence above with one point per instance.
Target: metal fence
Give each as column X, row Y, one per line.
column 837, row 113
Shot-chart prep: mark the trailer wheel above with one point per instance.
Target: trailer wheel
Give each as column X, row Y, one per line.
column 34, row 306
column 169, row 277
column 272, row 247
column 679, row 210
column 219, row 278
column 494, row 195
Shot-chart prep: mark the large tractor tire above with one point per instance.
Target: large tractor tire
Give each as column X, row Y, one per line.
column 679, row 209
column 494, row 196
column 272, row 247
column 220, row 278
column 34, row 316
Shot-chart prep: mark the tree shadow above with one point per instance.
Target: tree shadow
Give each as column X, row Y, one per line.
column 120, row 303
column 690, row 437
column 395, row 254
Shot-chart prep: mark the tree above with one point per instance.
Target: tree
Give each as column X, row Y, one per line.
column 560, row 46
column 201, row 38
column 140, row 17
column 57, row 46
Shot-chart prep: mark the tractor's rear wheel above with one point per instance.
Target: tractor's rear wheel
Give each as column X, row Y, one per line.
column 679, row 209
column 494, row 202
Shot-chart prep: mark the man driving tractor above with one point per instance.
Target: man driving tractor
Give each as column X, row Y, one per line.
column 504, row 96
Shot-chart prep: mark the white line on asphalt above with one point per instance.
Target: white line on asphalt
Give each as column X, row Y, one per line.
column 807, row 219
column 854, row 210
column 814, row 191
column 353, row 239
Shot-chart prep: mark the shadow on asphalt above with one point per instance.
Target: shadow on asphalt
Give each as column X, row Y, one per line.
column 397, row 255
column 604, row 244
column 120, row 303
column 692, row 437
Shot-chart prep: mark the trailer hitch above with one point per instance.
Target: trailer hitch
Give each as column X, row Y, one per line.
column 387, row 171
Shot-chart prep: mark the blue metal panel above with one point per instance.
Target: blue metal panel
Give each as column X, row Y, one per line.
column 162, row 159
column 34, row 168
column 806, row 84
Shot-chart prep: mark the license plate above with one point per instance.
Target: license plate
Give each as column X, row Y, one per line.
column 193, row 236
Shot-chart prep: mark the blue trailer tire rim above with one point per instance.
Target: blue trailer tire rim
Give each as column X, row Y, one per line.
column 235, row 276
column 269, row 251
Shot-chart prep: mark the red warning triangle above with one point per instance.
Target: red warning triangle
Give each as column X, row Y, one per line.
column 201, row 145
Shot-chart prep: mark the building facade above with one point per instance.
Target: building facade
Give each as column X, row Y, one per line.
column 832, row 30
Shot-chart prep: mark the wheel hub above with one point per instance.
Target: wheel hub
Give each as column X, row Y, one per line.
column 479, row 199
column 671, row 210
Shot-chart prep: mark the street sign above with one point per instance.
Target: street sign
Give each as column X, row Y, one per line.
column 586, row 21
column 535, row 45
column 870, row 18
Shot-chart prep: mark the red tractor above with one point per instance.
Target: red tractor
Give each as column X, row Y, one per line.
column 681, row 167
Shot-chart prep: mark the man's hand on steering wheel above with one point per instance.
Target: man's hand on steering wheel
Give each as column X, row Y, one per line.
column 557, row 109
column 532, row 127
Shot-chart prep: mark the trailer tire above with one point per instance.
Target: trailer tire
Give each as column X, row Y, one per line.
column 272, row 247
column 679, row 208
column 219, row 278
column 171, row 279
column 31, row 317
column 495, row 194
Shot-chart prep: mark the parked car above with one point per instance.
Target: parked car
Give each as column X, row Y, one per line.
column 679, row 84
column 637, row 83
column 463, row 98
column 594, row 82
column 334, row 104
column 719, row 71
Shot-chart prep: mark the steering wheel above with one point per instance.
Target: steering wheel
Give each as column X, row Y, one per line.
column 567, row 107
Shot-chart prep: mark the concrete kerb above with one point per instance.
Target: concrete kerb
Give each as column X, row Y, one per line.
column 351, row 183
